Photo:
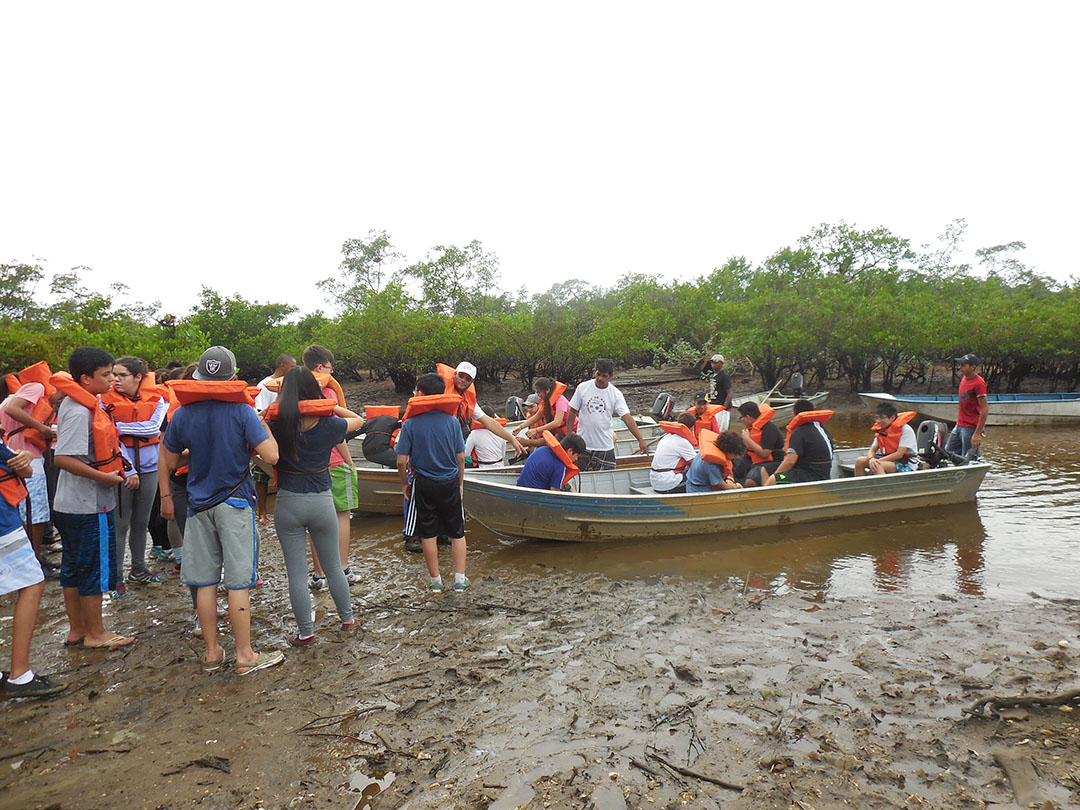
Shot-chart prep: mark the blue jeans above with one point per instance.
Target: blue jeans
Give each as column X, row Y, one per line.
column 960, row 441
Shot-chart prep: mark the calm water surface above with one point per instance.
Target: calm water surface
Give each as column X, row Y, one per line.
column 1020, row 536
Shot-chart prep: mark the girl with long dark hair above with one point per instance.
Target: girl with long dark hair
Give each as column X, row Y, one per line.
column 306, row 427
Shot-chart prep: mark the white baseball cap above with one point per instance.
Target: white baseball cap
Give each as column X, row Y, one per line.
column 466, row 368
column 718, row 358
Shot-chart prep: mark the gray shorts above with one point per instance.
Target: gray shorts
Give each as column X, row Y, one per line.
column 223, row 536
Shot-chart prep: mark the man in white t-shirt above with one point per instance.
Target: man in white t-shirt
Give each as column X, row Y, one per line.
column 667, row 473
column 267, row 398
column 594, row 404
column 488, row 449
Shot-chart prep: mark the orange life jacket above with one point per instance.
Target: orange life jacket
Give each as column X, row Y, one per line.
column 711, row 453
column 12, row 487
column 704, row 421
column 679, row 429
column 321, row 377
column 804, row 418
column 43, row 410
column 447, row 403
column 107, row 456
column 189, row 391
column 563, row 456
column 466, row 401
column 755, row 433
column 124, row 409
column 559, row 390
column 888, row 441
column 371, row 411
column 308, row 407
column 478, row 425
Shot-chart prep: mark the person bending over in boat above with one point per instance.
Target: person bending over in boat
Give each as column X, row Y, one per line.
column 713, row 470
column 809, row 450
column 486, row 449
column 553, row 465
column 674, row 453
column 764, row 445
column 550, row 414
column 893, row 449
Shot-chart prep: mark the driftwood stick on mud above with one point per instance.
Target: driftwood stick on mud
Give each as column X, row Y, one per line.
column 694, row 774
column 1021, row 774
column 334, row 719
column 988, row 706
column 26, row 751
column 637, row 763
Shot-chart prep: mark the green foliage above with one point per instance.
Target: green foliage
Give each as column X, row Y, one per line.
column 859, row 303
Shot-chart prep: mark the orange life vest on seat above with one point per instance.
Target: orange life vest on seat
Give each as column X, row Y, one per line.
column 888, row 441
column 106, row 440
column 43, row 410
column 711, row 453
column 122, row 408
column 704, row 421
column 755, row 433
column 371, row 411
column 561, row 454
column 558, row 391
column 189, row 391
column 447, row 403
column 466, row 401
column 308, row 407
column 804, row 418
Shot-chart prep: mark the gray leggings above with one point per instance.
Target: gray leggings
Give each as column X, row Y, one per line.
column 295, row 514
column 132, row 516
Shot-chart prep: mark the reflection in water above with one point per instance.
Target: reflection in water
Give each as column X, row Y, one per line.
column 1019, row 536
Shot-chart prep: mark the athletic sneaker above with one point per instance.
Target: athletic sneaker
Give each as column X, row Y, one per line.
column 462, row 586
column 351, row 575
column 49, row 570
column 145, row 578
column 38, row 686
column 54, row 548
column 414, row 545
column 435, row 587
column 317, row 583
column 119, row 593
column 197, row 629
column 158, row 553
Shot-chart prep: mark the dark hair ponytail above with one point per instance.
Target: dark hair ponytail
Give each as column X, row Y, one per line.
column 297, row 385
column 547, row 410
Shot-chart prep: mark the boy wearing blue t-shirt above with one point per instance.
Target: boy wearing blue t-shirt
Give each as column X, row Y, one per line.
column 219, row 534
column 545, row 470
column 431, row 444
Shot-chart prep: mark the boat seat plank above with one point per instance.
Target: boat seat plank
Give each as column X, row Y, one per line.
column 642, row 491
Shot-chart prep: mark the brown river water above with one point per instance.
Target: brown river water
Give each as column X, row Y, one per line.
column 1019, row 536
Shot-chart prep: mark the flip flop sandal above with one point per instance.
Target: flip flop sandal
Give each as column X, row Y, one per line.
column 213, row 666
column 76, row 643
column 264, row 661
column 111, row 645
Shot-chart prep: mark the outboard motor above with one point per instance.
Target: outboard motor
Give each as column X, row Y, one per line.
column 663, row 407
column 796, row 383
column 930, row 440
column 515, row 409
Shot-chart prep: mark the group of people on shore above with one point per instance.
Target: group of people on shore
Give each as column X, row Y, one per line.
column 127, row 447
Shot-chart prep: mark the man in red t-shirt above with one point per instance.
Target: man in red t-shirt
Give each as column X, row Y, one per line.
column 971, row 419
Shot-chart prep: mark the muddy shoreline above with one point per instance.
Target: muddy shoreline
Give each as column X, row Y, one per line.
column 542, row 688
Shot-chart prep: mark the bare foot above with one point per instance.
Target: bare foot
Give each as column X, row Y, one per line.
column 107, row 642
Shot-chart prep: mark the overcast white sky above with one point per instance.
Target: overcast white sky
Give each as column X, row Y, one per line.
column 237, row 145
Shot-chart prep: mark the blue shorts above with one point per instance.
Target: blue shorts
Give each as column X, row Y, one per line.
column 89, row 560
column 37, row 486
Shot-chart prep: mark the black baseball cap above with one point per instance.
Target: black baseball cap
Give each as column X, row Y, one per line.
column 968, row 358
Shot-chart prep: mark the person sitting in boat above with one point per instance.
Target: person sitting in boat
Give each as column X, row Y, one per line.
column 553, row 465
column 764, row 445
column 483, row 446
column 378, row 430
column 552, row 408
column 893, row 449
column 808, row 452
column 713, row 470
column 674, row 453
column 709, row 415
